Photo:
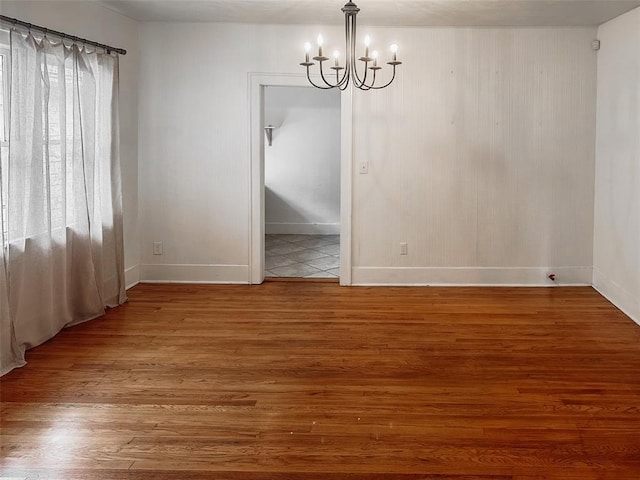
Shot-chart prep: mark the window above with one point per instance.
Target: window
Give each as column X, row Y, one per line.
column 58, row 196
column 4, row 136
column 4, row 118
column 57, row 162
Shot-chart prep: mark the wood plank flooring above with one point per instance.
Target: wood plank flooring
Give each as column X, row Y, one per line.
column 310, row 381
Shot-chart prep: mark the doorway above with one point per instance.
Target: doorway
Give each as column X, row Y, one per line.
column 302, row 182
column 305, row 232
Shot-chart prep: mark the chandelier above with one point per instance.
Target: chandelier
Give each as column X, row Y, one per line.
column 365, row 80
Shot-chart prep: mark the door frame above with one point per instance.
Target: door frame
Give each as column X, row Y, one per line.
column 257, row 83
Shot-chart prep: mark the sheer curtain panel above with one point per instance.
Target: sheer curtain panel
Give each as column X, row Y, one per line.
column 63, row 247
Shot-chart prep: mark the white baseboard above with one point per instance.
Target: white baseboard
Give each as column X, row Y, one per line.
column 628, row 303
column 302, row 228
column 194, row 273
column 472, row 276
column 131, row 276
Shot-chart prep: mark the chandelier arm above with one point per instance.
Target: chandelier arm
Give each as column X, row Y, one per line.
column 364, row 87
column 373, row 81
column 347, row 38
column 317, row 86
column 344, row 83
column 357, row 82
column 360, row 82
column 340, row 80
column 345, row 77
column 388, row 83
column 327, row 83
column 324, row 79
column 343, row 80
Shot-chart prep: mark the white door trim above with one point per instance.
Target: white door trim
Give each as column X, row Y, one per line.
column 257, row 82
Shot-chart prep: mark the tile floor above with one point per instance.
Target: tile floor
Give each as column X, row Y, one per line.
column 308, row 256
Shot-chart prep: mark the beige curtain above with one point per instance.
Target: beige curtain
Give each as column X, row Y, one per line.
column 63, row 254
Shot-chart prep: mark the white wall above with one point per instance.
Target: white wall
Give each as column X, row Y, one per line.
column 194, row 143
column 302, row 166
column 617, row 194
column 91, row 21
column 481, row 158
column 481, row 155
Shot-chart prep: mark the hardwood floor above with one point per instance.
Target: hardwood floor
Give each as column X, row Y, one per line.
column 306, row 381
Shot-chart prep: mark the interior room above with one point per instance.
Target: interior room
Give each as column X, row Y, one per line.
column 302, row 182
column 263, row 279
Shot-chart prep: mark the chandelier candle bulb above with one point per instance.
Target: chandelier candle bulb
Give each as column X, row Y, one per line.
column 336, row 67
column 320, row 58
column 394, row 50
column 375, row 66
column 307, row 48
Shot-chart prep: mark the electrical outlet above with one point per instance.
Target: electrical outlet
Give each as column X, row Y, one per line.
column 364, row 168
column 404, row 249
column 157, row 248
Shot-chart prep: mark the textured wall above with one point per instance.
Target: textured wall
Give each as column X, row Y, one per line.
column 617, row 206
column 194, row 143
column 481, row 155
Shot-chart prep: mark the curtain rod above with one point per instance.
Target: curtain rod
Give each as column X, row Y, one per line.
column 45, row 30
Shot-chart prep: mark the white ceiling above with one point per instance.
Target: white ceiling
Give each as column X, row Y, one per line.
column 380, row 12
